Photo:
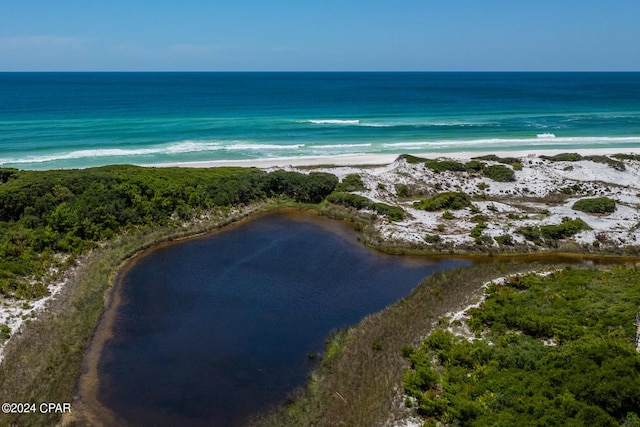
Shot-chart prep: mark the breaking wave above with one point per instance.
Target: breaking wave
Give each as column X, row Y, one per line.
column 333, row 122
column 182, row 147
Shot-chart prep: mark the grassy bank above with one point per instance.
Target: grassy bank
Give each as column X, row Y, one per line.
column 360, row 378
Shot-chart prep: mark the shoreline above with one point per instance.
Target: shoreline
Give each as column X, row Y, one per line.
column 382, row 159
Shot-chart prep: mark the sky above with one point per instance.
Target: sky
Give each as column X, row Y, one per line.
column 313, row 35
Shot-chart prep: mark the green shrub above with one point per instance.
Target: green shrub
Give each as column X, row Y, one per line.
column 402, row 190
column 349, row 200
column 563, row 157
column 511, row 161
column 474, row 166
column 494, row 158
column 351, row 182
column 482, row 186
column 627, row 156
column 575, row 157
column 512, row 215
column 599, row 205
column 530, row 232
column 505, row 240
column 499, row 173
column 448, row 215
column 393, row 213
column 447, row 200
column 6, row 174
column 432, row 238
column 445, row 165
column 588, row 377
column 412, row 159
column 476, row 232
column 5, row 333
column 567, row 228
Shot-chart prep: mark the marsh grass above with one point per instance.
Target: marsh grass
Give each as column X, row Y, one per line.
column 358, row 385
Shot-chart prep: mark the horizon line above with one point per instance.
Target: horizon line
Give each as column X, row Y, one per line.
column 318, row 71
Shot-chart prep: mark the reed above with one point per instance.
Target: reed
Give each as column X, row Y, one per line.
column 360, row 383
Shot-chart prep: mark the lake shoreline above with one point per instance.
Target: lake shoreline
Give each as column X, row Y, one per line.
column 89, row 408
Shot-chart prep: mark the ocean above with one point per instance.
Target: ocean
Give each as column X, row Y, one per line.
column 77, row 120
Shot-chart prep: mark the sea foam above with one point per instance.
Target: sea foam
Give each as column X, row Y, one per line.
column 333, row 122
column 182, row 147
column 512, row 142
column 339, row 146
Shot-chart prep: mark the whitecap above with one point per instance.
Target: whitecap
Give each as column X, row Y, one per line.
column 515, row 142
column 181, row 147
column 245, row 146
column 333, row 122
column 333, row 146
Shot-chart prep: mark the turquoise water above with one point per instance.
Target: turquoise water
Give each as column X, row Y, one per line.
column 63, row 120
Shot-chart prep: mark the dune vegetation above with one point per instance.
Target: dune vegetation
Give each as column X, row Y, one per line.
column 549, row 350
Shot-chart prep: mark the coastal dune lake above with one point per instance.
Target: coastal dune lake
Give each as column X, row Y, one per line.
column 216, row 329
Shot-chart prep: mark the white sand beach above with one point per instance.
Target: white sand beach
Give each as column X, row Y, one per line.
column 380, row 159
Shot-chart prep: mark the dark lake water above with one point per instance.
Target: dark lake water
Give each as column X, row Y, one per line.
column 213, row 330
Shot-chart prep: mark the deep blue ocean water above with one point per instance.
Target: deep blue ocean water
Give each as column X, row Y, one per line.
column 63, row 120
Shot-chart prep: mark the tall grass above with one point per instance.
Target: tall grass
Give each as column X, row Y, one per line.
column 358, row 384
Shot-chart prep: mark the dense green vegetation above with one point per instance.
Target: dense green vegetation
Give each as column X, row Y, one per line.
column 505, row 240
column 561, row 353
column 351, row 182
column 600, row 205
column 445, row 165
column 500, row 173
column 575, row 157
column 447, row 200
column 511, row 161
column 453, row 166
column 627, row 156
column 393, row 213
column 402, row 190
column 563, row 157
column 412, row 160
column 476, row 232
column 567, row 228
column 44, row 213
